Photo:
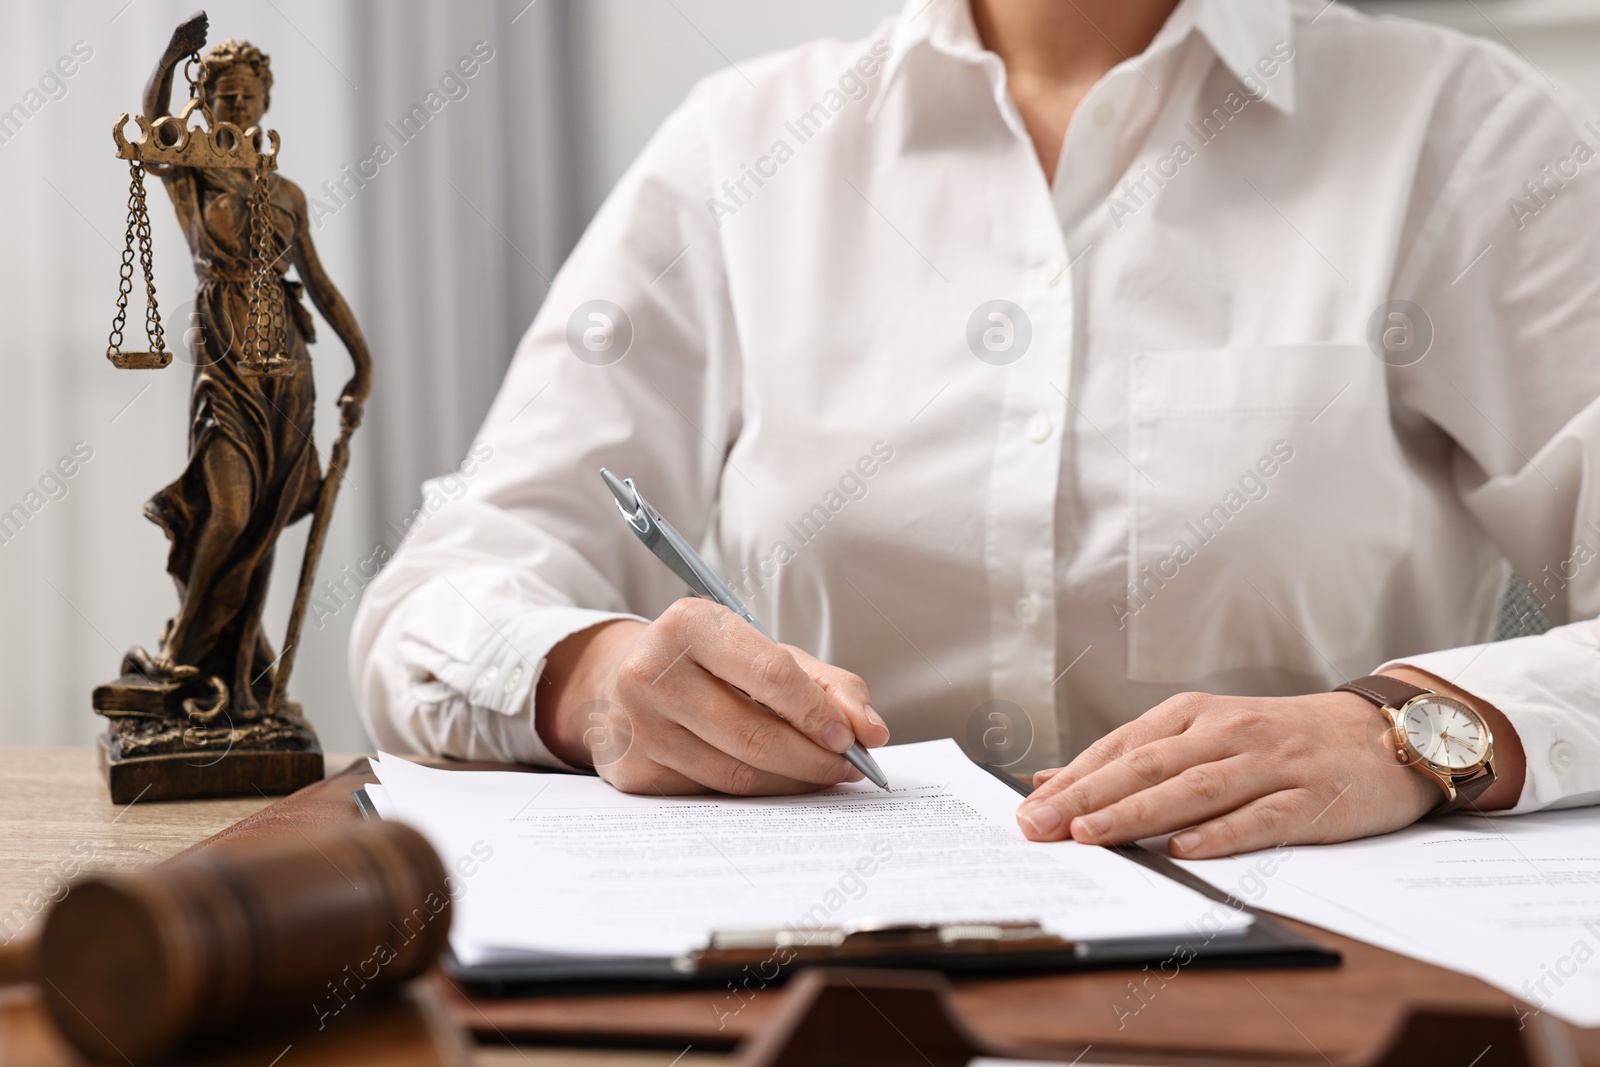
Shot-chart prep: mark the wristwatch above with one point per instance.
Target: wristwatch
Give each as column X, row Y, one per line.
column 1440, row 736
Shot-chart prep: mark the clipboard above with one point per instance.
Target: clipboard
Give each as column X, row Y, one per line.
column 1001, row 948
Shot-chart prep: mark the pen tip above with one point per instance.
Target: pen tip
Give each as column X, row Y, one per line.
column 885, row 787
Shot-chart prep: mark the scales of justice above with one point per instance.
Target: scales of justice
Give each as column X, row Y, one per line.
column 206, row 713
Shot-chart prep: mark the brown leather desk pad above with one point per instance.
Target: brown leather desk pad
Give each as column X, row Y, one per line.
column 1335, row 1014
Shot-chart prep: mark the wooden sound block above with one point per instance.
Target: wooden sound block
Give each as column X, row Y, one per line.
column 239, row 771
column 408, row 1030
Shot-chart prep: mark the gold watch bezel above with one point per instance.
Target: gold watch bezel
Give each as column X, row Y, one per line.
column 1411, row 756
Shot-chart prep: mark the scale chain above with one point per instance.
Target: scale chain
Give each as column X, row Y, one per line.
column 152, row 312
column 137, row 233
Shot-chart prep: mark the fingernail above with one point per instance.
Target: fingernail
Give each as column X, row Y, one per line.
column 874, row 718
column 837, row 737
column 1095, row 823
column 1187, row 841
column 1042, row 819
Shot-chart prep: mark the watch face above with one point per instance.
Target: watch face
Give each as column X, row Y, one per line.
column 1447, row 734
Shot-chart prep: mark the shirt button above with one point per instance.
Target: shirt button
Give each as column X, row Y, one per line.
column 1027, row 609
column 1105, row 113
column 1563, row 755
column 512, row 679
column 1040, row 428
column 1053, row 272
column 481, row 686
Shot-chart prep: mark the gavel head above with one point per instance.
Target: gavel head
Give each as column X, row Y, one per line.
column 240, row 934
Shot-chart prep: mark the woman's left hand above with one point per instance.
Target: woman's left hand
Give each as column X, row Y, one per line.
column 1234, row 774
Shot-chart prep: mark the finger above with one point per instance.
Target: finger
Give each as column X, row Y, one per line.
column 849, row 693
column 714, row 769
column 691, row 699
column 1199, row 793
column 733, row 724
column 646, row 777
column 1041, row 777
column 733, row 650
column 1166, row 719
column 1286, row 817
column 1051, row 807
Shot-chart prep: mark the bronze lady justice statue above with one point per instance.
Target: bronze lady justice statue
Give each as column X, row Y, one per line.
column 252, row 469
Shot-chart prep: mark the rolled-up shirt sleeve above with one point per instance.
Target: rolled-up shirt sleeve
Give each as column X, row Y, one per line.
column 631, row 363
column 1505, row 265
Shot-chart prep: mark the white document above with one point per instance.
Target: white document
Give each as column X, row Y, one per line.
column 565, row 865
column 1513, row 900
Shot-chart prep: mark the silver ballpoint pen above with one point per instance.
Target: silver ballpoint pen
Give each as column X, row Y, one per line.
column 668, row 544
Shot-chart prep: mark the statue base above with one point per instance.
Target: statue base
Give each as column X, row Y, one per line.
column 189, row 776
column 152, row 751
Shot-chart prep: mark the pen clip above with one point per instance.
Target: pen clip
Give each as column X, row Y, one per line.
column 629, row 502
column 670, row 547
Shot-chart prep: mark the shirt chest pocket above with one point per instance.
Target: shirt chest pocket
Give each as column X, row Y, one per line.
column 1270, row 506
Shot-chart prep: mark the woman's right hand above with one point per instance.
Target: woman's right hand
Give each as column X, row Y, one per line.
column 700, row 701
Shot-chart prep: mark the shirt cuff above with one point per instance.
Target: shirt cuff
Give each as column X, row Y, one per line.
column 494, row 671
column 1548, row 688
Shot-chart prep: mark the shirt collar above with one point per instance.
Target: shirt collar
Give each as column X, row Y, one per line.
column 1241, row 33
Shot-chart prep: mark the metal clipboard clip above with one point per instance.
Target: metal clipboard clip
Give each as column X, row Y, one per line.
column 867, row 941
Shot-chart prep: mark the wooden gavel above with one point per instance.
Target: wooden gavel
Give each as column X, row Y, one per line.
column 238, row 935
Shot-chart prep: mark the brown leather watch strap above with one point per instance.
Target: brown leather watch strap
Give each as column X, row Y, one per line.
column 1383, row 690
column 1467, row 791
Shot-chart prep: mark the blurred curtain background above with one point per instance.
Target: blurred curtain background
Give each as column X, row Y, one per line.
column 444, row 254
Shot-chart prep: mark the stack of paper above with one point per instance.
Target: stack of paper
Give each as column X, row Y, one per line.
column 551, row 865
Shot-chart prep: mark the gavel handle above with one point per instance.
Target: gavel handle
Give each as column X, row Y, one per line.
column 17, row 961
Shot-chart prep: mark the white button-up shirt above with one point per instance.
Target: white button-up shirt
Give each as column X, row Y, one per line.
column 1298, row 350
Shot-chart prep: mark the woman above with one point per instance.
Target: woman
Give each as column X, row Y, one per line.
column 1102, row 383
column 252, row 466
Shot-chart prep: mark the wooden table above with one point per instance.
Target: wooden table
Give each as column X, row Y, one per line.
column 56, row 818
